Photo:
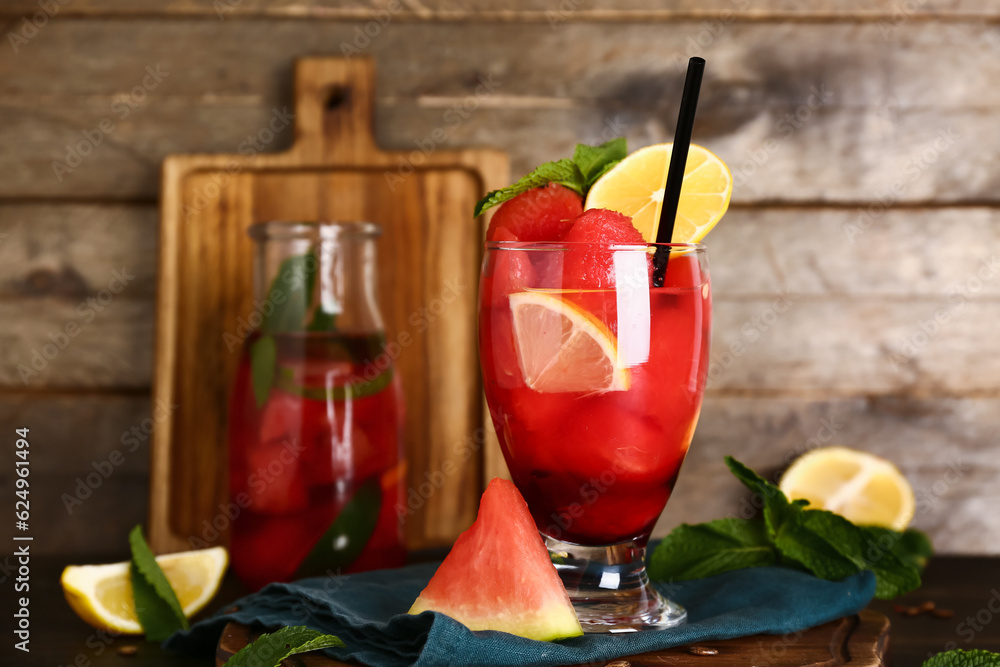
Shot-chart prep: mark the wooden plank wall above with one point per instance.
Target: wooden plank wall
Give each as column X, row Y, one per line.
column 857, row 287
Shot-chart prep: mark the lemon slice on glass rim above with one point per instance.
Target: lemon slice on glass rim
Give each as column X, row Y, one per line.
column 634, row 187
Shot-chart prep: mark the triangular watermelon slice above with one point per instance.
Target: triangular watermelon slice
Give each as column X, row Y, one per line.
column 499, row 576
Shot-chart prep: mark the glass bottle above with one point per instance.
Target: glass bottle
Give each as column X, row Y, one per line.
column 316, row 466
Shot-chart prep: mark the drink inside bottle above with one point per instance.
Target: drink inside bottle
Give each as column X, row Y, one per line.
column 316, row 413
column 329, row 427
column 594, row 385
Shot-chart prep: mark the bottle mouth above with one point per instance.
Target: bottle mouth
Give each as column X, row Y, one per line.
column 313, row 230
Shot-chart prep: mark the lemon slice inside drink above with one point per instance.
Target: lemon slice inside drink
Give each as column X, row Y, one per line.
column 102, row 594
column 861, row 487
column 634, row 187
column 563, row 348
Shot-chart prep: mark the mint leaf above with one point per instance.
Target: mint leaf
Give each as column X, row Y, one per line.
column 157, row 619
column 961, row 658
column 777, row 508
column 605, row 169
column 595, row 161
column 812, row 541
column 911, row 546
column 156, row 604
column 565, row 172
column 914, row 547
column 270, row 649
column 707, row 549
column 263, row 357
column 322, row 321
column 347, row 536
column 894, row 577
column 294, row 282
column 831, row 547
column 885, row 552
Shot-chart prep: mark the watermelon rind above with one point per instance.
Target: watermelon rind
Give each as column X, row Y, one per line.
column 555, row 621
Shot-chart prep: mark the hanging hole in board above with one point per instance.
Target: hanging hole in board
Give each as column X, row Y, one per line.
column 336, row 97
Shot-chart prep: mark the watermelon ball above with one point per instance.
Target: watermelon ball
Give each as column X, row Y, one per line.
column 592, row 266
column 275, row 481
column 511, row 271
column 540, row 214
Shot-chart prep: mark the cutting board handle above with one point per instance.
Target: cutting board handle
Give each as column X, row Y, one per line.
column 334, row 105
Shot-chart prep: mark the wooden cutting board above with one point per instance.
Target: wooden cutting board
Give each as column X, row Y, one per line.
column 429, row 258
column 860, row 641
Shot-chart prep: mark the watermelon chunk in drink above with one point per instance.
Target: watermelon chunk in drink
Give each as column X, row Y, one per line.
column 540, row 214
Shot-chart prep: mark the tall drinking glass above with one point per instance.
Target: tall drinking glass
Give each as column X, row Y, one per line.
column 594, row 380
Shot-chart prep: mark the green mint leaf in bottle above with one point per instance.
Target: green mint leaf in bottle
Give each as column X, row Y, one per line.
column 347, row 537
column 263, row 358
column 290, row 296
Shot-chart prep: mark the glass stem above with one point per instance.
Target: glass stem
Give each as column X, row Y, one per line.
column 610, row 589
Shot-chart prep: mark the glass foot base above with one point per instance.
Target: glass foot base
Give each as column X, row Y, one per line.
column 609, row 588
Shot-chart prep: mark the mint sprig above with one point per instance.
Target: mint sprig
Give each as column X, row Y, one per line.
column 816, row 541
column 270, row 649
column 962, row 658
column 577, row 173
column 156, row 604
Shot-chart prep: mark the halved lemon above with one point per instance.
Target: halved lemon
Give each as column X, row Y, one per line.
column 102, row 594
column 863, row 488
column 561, row 347
column 634, row 187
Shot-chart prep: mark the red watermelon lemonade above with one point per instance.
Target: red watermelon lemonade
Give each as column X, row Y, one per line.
column 594, row 435
column 316, row 413
column 594, row 370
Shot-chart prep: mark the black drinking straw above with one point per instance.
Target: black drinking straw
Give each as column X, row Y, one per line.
column 678, row 160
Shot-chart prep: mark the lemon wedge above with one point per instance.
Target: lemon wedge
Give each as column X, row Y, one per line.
column 861, row 487
column 102, row 594
column 634, row 187
column 561, row 347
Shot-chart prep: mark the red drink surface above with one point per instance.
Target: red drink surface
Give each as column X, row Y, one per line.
column 597, row 468
column 298, row 459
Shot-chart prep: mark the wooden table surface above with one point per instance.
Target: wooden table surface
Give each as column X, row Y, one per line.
column 966, row 585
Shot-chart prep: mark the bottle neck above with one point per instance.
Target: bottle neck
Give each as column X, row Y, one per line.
column 317, row 277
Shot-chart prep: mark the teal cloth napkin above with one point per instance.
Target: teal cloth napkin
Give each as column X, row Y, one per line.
column 368, row 612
